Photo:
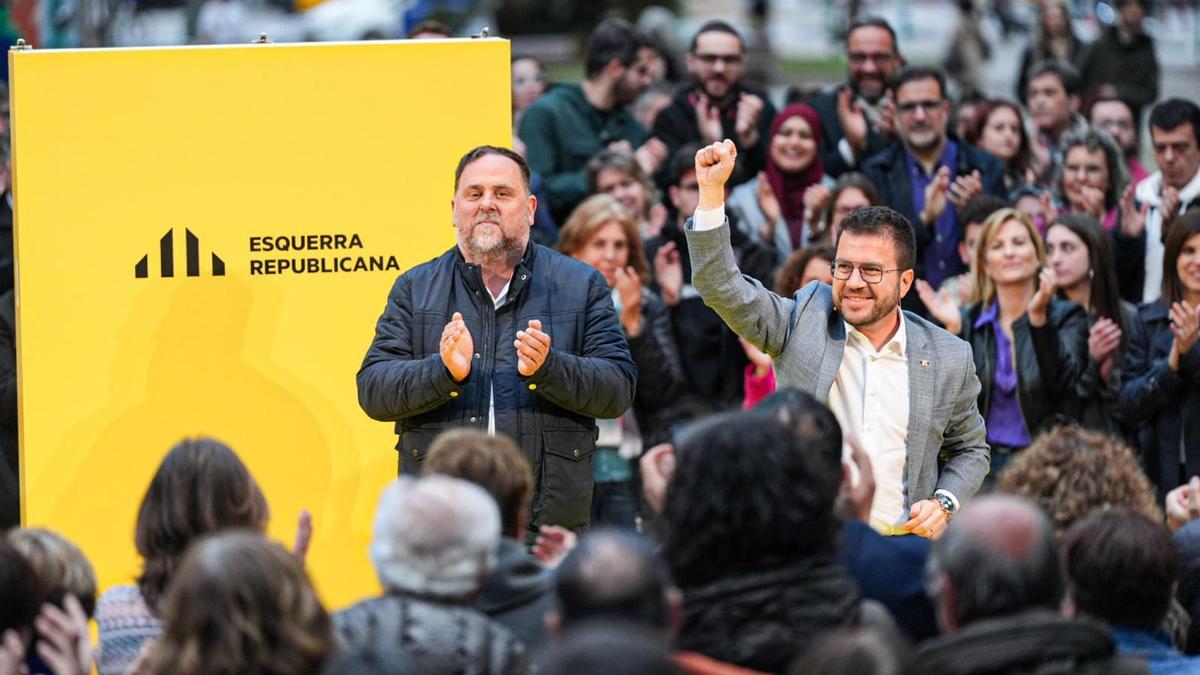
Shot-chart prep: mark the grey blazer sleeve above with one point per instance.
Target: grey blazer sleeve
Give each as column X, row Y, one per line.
column 749, row 309
column 964, row 442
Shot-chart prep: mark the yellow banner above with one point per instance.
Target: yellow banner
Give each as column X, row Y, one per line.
column 205, row 238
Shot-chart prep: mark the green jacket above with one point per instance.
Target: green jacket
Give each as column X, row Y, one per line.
column 562, row 131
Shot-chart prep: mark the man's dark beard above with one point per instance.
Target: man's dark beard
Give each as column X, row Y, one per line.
column 722, row 102
column 872, row 100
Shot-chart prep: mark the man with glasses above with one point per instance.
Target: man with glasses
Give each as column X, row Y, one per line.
column 904, row 387
column 927, row 176
column 856, row 117
column 718, row 104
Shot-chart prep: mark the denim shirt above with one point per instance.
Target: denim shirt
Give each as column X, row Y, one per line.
column 1156, row 649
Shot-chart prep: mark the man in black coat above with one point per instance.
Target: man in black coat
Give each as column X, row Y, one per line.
column 927, row 175
column 502, row 335
column 856, row 117
column 717, row 105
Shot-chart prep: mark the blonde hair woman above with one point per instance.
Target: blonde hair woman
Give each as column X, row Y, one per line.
column 602, row 233
column 1029, row 345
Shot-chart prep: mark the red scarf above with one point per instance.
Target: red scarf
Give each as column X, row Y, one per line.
column 789, row 187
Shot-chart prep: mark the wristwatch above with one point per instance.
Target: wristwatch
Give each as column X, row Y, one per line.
column 947, row 504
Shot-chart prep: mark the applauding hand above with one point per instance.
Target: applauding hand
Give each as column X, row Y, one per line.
column 941, row 306
column 533, row 346
column 1039, row 304
column 456, row 348
column 1185, row 326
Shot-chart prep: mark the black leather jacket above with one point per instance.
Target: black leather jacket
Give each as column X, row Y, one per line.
column 551, row 415
column 1049, row 360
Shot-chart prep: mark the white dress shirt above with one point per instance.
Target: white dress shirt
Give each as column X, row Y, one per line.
column 869, row 397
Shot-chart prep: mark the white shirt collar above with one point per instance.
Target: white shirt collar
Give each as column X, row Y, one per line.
column 501, row 297
column 898, row 344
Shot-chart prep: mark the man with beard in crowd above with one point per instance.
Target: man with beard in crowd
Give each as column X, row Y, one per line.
column 718, row 104
column 927, row 175
column 569, row 124
column 505, row 336
column 906, row 388
column 856, row 118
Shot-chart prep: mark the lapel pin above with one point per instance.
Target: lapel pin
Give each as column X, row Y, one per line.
column 924, row 363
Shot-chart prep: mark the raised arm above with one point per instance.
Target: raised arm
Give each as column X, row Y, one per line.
column 748, row 308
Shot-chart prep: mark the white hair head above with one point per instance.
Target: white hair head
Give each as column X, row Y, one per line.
column 435, row 536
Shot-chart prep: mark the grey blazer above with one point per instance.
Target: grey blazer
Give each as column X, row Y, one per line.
column 806, row 336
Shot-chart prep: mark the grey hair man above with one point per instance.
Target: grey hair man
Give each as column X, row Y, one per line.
column 435, row 539
column 998, row 584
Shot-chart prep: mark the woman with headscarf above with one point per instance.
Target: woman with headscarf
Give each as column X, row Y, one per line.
column 780, row 206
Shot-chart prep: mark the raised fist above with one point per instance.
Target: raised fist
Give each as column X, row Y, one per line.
column 714, row 163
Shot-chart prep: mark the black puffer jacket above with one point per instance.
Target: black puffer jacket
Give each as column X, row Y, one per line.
column 551, row 415
column 761, row 620
column 1049, row 361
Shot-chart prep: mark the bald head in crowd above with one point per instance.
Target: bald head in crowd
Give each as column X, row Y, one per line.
column 615, row 576
column 1000, row 557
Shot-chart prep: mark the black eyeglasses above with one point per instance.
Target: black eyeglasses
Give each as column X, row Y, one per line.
column 870, row 272
column 910, row 107
column 727, row 59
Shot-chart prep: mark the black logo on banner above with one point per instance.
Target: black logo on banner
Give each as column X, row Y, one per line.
column 166, row 258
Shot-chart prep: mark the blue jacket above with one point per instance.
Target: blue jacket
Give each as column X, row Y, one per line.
column 551, row 415
column 891, row 571
column 1165, row 403
column 1162, row 658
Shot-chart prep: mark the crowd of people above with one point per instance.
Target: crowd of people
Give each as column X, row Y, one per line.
column 884, row 379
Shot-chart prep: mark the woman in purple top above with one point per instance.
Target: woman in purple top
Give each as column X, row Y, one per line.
column 1029, row 345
